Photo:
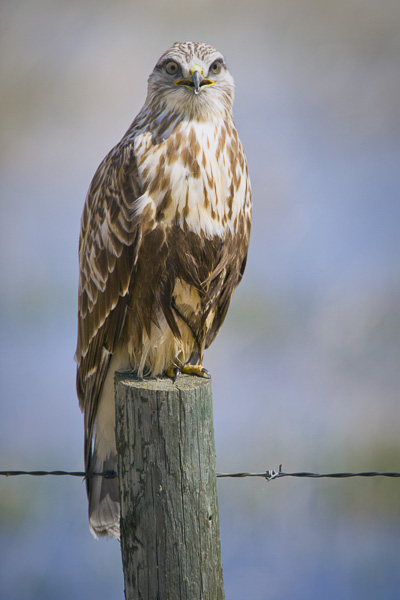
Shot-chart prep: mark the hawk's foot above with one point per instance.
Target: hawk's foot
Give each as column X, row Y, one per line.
column 173, row 372
column 198, row 370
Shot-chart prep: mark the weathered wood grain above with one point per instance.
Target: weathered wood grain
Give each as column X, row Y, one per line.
column 170, row 538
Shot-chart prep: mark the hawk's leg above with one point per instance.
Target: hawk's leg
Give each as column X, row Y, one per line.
column 186, row 321
column 189, row 369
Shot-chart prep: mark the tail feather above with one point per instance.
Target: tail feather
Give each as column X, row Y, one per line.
column 104, row 506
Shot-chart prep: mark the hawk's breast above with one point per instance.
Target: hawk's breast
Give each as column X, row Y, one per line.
column 193, row 177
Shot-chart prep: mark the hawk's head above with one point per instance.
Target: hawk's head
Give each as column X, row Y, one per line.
column 191, row 79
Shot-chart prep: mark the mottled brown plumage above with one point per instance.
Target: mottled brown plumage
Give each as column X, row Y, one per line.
column 164, row 237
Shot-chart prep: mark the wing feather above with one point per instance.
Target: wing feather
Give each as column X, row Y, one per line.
column 230, row 268
column 108, row 250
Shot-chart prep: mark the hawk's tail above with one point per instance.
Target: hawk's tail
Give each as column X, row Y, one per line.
column 104, row 506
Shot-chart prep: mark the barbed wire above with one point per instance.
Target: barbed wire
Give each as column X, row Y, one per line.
column 83, row 474
column 269, row 475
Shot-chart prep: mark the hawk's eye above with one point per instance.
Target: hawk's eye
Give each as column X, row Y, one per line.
column 216, row 67
column 171, row 67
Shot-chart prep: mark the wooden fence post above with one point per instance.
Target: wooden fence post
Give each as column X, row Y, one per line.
column 170, row 538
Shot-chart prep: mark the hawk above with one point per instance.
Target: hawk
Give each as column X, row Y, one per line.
column 163, row 244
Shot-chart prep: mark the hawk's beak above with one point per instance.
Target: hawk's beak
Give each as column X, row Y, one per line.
column 196, row 78
column 196, row 81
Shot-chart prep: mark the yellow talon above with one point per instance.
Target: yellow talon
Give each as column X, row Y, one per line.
column 173, row 372
column 198, row 370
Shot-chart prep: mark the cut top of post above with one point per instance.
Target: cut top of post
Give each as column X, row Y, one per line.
column 165, row 384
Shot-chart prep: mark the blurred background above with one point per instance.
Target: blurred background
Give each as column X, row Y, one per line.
column 305, row 370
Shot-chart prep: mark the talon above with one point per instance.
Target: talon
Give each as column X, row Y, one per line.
column 198, row 370
column 173, row 372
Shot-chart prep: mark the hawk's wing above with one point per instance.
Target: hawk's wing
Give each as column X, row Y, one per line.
column 108, row 249
column 229, row 271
